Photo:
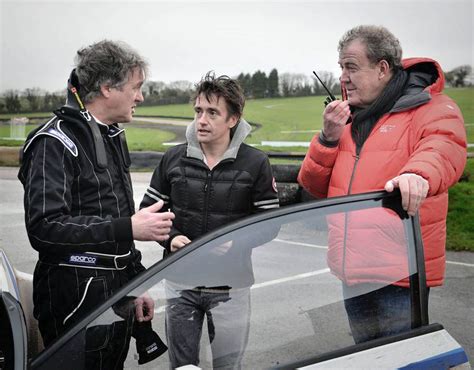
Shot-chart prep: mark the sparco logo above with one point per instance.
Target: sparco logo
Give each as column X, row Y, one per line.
column 83, row 259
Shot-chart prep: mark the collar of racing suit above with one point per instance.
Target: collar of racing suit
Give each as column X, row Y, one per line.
column 74, row 110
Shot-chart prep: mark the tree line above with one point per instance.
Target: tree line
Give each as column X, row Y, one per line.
column 257, row 85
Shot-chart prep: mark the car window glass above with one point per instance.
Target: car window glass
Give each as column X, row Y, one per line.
column 271, row 293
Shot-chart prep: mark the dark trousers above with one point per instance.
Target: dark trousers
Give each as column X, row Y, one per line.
column 227, row 314
column 375, row 312
column 64, row 295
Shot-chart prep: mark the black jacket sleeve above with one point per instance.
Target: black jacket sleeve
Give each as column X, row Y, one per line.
column 264, row 192
column 265, row 197
column 160, row 189
column 48, row 180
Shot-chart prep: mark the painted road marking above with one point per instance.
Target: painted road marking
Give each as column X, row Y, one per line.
column 325, row 247
column 306, row 274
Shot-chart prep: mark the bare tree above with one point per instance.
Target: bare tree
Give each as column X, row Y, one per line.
column 154, row 87
column 328, row 79
column 285, row 84
column 12, row 101
column 34, row 97
column 457, row 76
column 295, row 84
column 181, row 85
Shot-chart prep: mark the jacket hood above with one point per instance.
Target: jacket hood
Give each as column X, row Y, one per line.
column 194, row 150
column 425, row 77
column 429, row 66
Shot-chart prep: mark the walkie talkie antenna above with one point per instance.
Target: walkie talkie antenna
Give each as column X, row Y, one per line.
column 331, row 96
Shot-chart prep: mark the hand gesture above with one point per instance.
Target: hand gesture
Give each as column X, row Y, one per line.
column 179, row 242
column 150, row 225
column 335, row 117
column 144, row 308
column 413, row 189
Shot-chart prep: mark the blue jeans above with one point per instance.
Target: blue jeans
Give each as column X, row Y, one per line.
column 375, row 312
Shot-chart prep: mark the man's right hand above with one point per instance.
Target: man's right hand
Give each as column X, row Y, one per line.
column 179, row 242
column 150, row 225
column 335, row 117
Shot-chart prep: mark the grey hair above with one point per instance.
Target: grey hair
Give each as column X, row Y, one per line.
column 381, row 44
column 105, row 62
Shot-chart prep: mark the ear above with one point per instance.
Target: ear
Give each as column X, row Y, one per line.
column 233, row 120
column 384, row 69
column 105, row 90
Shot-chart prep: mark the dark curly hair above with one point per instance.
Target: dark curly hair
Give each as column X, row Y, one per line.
column 225, row 87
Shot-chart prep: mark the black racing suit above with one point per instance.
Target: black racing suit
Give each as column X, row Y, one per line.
column 78, row 205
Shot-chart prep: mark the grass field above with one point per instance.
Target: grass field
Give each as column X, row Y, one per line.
column 284, row 119
column 460, row 233
column 5, row 133
column 295, row 119
column 147, row 139
column 39, row 114
column 138, row 139
column 277, row 117
column 464, row 97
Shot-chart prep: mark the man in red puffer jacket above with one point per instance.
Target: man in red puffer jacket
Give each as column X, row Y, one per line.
column 402, row 133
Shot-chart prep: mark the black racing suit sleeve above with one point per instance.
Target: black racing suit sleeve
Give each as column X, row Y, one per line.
column 48, row 179
column 160, row 189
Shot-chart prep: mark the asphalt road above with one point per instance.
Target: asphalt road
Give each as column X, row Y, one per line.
column 451, row 305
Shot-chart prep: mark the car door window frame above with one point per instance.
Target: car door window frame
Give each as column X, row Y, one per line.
column 388, row 200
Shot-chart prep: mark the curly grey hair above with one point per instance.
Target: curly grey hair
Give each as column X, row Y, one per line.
column 380, row 42
column 105, row 62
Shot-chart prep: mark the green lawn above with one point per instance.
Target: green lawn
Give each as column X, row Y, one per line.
column 39, row 114
column 294, row 119
column 276, row 116
column 460, row 233
column 464, row 97
column 140, row 139
column 5, row 133
column 174, row 110
column 285, row 119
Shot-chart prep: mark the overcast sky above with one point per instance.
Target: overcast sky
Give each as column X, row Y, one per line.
column 182, row 40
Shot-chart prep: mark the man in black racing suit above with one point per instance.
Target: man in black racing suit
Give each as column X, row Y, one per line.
column 79, row 209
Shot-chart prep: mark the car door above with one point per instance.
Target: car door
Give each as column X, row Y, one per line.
column 270, row 292
column 13, row 338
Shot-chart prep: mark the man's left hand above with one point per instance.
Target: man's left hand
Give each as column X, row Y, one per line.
column 144, row 308
column 413, row 189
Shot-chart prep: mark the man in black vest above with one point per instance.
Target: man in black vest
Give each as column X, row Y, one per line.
column 210, row 181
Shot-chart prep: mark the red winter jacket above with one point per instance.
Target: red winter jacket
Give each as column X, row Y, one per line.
column 428, row 140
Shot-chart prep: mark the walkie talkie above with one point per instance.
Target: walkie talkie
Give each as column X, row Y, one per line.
column 331, row 97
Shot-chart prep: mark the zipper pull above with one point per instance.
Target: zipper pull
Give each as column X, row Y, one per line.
column 207, row 181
